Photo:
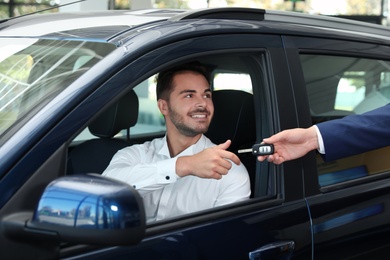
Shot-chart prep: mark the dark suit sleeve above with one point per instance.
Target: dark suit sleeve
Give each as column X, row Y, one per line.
column 356, row 134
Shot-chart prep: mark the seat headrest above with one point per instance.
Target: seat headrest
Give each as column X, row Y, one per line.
column 234, row 118
column 123, row 114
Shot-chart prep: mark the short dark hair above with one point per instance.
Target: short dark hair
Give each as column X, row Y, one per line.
column 165, row 78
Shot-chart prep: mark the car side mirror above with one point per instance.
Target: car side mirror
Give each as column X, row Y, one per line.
column 86, row 209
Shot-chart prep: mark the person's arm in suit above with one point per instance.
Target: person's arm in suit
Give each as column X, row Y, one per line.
column 356, row 134
column 344, row 137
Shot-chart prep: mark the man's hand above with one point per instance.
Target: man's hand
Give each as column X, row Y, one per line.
column 291, row 144
column 210, row 163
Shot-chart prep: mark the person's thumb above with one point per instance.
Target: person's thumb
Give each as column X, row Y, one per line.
column 225, row 145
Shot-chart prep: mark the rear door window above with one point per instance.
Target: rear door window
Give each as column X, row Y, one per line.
column 338, row 86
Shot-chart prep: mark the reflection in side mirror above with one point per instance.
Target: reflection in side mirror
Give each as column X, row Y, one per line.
column 91, row 209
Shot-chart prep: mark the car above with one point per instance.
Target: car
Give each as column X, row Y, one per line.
column 77, row 87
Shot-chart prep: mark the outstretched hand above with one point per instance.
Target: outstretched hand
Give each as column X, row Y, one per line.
column 210, row 163
column 291, row 144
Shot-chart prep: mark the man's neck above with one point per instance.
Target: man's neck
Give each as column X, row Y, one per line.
column 178, row 143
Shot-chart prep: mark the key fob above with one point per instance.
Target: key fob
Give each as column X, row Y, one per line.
column 262, row 149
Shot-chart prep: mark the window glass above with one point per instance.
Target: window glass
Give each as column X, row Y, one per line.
column 232, row 80
column 33, row 72
column 338, row 86
column 350, row 91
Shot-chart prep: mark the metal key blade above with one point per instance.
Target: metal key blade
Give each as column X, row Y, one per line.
column 249, row 150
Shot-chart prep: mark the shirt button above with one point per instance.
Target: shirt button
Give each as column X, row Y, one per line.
column 167, row 177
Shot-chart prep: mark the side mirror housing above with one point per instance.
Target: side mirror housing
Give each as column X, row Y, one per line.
column 86, row 209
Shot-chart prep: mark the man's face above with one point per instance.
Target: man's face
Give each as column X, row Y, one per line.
column 190, row 107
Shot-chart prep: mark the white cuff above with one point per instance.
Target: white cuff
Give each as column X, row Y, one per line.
column 166, row 170
column 321, row 147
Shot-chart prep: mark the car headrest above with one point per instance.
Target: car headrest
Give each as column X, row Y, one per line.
column 123, row 114
column 234, row 118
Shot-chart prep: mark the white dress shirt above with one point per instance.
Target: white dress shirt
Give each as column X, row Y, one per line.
column 151, row 170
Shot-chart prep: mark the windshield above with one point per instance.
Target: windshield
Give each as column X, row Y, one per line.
column 34, row 71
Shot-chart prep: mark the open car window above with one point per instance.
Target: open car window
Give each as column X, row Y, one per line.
column 232, row 85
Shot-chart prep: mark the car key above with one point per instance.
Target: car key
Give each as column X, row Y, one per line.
column 259, row 149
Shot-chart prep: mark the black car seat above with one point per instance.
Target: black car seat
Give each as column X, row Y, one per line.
column 94, row 155
column 234, row 119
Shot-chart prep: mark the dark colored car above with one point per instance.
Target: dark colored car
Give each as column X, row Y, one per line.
column 75, row 88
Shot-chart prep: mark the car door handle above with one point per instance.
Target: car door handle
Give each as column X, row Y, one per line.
column 278, row 250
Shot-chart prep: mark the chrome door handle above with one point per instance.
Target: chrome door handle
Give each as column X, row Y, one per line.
column 278, row 250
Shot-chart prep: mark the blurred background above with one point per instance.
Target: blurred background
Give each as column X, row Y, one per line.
column 373, row 11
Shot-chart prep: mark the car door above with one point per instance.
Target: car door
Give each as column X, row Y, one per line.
column 274, row 223
column 349, row 197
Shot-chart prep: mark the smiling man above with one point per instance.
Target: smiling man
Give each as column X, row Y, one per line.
column 184, row 171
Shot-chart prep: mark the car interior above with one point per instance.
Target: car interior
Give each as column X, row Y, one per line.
column 94, row 155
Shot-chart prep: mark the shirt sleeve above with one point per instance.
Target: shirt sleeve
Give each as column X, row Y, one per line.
column 131, row 165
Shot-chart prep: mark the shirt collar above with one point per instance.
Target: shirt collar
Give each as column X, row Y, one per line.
column 199, row 146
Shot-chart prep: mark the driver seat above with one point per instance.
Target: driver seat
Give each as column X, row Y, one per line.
column 94, row 155
column 234, row 119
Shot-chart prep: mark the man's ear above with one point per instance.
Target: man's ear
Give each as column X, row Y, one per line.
column 162, row 106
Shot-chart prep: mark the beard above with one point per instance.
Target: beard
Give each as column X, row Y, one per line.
column 184, row 129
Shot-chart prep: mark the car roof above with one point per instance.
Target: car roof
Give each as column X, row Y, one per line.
column 104, row 25
column 286, row 17
column 328, row 22
column 98, row 24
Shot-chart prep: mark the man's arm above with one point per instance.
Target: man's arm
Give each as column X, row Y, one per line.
column 132, row 165
column 210, row 163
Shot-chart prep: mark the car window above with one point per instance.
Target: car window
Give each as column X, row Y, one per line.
column 338, row 86
column 33, row 72
column 232, row 86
